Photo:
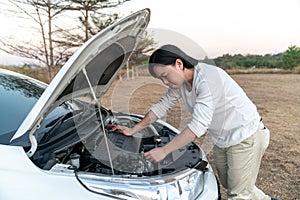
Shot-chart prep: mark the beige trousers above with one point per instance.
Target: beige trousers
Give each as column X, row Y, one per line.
column 239, row 164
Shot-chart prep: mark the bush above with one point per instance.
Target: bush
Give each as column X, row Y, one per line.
column 297, row 69
column 291, row 57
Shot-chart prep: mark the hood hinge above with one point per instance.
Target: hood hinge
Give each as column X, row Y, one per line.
column 33, row 140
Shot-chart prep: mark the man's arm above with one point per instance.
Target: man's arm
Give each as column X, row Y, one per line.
column 148, row 119
column 182, row 139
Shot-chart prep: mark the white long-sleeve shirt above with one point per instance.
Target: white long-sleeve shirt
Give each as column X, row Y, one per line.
column 218, row 105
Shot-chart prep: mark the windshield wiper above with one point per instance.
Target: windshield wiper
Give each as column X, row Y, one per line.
column 59, row 119
column 55, row 122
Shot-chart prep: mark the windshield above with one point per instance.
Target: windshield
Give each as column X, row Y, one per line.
column 17, row 97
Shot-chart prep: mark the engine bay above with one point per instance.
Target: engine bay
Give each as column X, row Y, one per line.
column 110, row 152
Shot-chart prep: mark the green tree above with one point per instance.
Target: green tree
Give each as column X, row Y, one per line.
column 291, row 58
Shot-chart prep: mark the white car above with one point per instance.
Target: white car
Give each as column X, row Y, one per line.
column 56, row 141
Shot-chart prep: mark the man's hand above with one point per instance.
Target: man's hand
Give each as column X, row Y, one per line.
column 182, row 139
column 146, row 121
column 156, row 155
column 123, row 129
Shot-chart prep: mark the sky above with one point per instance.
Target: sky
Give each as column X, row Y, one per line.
column 216, row 27
column 229, row 26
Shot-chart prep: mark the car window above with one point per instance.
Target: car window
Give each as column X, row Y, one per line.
column 17, row 97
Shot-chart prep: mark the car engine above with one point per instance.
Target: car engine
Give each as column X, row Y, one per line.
column 114, row 153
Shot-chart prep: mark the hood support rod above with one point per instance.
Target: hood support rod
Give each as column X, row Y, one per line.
column 102, row 124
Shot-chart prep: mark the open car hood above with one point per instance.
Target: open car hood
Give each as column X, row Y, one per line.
column 92, row 67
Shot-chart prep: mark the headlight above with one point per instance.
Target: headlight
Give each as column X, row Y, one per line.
column 189, row 187
column 192, row 185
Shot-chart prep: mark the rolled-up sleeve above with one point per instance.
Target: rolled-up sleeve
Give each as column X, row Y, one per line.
column 166, row 102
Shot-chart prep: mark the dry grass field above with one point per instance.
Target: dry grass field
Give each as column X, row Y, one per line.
column 277, row 97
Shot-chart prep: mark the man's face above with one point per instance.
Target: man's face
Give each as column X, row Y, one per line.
column 170, row 75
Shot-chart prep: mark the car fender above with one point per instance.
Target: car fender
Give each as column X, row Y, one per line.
column 21, row 179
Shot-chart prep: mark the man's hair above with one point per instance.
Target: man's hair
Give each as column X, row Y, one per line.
column 167, row 55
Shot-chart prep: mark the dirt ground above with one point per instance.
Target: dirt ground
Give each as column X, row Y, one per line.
column 277, row 97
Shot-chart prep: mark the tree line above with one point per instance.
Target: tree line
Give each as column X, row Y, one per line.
column 289, row 60
column 56, row 40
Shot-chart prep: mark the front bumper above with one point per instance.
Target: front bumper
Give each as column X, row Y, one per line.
column 191, row 184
